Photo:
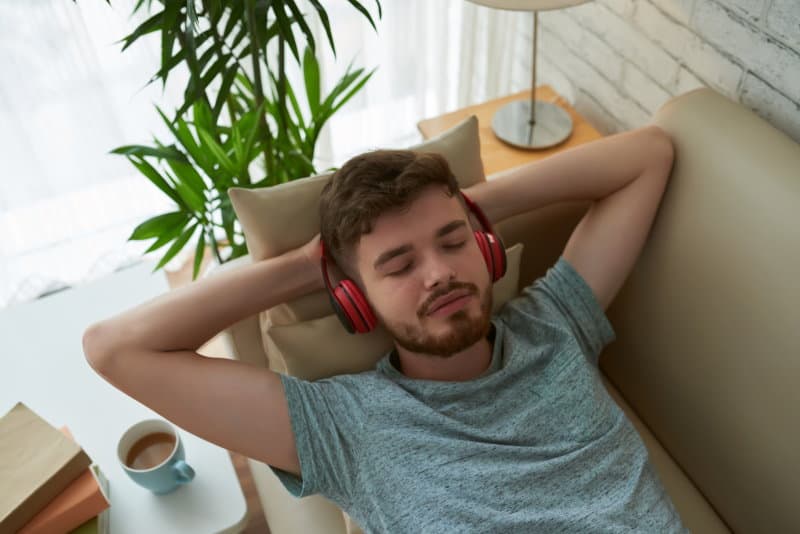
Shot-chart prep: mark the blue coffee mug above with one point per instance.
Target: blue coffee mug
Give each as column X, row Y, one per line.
column 171, row 473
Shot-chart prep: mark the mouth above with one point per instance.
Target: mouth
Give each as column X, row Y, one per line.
column 449, row 303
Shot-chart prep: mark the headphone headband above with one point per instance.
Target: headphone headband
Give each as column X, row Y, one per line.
column 474, row 208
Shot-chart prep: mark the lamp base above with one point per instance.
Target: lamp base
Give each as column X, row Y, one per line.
column 511, row 123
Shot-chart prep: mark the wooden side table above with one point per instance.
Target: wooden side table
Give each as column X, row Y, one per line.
column 497, row 155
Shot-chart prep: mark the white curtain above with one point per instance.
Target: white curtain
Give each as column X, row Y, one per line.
column 68, row 96
column 433, row 56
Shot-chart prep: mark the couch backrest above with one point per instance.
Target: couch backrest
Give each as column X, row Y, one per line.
column 708, row 337
column 708, row 327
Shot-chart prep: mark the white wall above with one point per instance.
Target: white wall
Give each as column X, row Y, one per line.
column 618, row 61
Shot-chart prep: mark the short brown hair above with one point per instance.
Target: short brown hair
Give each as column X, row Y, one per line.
column 369, row 185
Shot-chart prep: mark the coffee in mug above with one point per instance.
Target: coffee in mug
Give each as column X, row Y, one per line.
column 150, row 450
column 151, row 454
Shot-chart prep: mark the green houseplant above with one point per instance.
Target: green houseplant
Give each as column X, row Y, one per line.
column 241, row 122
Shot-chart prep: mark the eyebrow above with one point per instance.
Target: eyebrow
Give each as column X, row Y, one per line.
column 404, row 249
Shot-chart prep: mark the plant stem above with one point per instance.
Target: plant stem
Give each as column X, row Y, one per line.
column 214, row 246
column 221, row 46
column 281, row 84
column 192, row 65
column 255, row 47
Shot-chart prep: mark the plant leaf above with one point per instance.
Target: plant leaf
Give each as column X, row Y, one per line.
column 150, row 25
column 169, row 28
column 203, row 118
column 323, row 17
column 153, row 175
column 168, row 152
column 218, row 152
column 356, row 4
column 179, row 56
column 191, row 16
column 234, row 15
column 353, row 91
column 301, row 21
column 163, row 72
column 228, row 217
column 225, row 90
column 286, row 30
column 188, row 175
column 193, row 200
column 214, row 10
column 181, row 132
column 245, row 51
column 236, row 141
column 312, row 79
column 347, row 78
column 244, row 84
column 167, row 236
column 176, row 247
column 155, row 226
column 198, row 254
column 331, row 105
column 250, row 138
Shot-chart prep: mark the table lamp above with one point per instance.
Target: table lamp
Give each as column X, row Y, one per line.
column 531, row 124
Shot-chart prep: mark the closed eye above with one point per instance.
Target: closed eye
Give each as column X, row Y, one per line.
column 407, row 267
column 400, row 271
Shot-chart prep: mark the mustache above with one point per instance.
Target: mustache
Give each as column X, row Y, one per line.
column 452, row 286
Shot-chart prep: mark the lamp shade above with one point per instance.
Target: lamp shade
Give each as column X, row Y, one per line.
column 529, row 5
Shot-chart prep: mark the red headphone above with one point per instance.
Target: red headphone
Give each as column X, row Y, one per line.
column 352, row 307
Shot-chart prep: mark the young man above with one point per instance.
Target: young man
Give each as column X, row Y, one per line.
column 473, row 422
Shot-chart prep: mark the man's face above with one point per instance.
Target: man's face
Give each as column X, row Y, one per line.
column 425, row 276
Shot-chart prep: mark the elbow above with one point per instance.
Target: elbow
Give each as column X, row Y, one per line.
column 97, row 348
column 662, row 149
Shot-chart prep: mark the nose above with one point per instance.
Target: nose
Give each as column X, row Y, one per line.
column 437, row 270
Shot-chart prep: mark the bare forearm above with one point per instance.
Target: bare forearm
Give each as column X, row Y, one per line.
column 587, row 172
column 187, row 317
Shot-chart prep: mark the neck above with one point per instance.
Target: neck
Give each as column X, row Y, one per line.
column 466, row 365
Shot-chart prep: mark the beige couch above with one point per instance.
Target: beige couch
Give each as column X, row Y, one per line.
column 707, row 356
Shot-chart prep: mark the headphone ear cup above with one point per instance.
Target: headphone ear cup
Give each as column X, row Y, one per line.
column 483, row 246
column 349, row 308
column 494, row 254
column 498, row 251
column 338, row 308
column 347, row 301
column 362, row 315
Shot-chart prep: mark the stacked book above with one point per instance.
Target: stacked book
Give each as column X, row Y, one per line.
column 48, row 484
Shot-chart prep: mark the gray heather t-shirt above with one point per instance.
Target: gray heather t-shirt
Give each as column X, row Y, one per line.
column 535, row 444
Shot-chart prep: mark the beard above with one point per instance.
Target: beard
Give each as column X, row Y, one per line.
column 465, row 329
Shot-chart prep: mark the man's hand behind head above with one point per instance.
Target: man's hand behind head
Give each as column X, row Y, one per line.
column 312, row 252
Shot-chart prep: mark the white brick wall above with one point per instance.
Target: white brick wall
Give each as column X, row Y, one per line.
column 618, row 61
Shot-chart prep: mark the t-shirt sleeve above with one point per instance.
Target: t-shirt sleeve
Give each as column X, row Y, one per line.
column 563, row 296
column 327, row 420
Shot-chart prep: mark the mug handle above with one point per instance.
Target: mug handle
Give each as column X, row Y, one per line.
column 183, row 472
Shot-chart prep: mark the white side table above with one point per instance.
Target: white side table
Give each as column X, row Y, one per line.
column 42, row 364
